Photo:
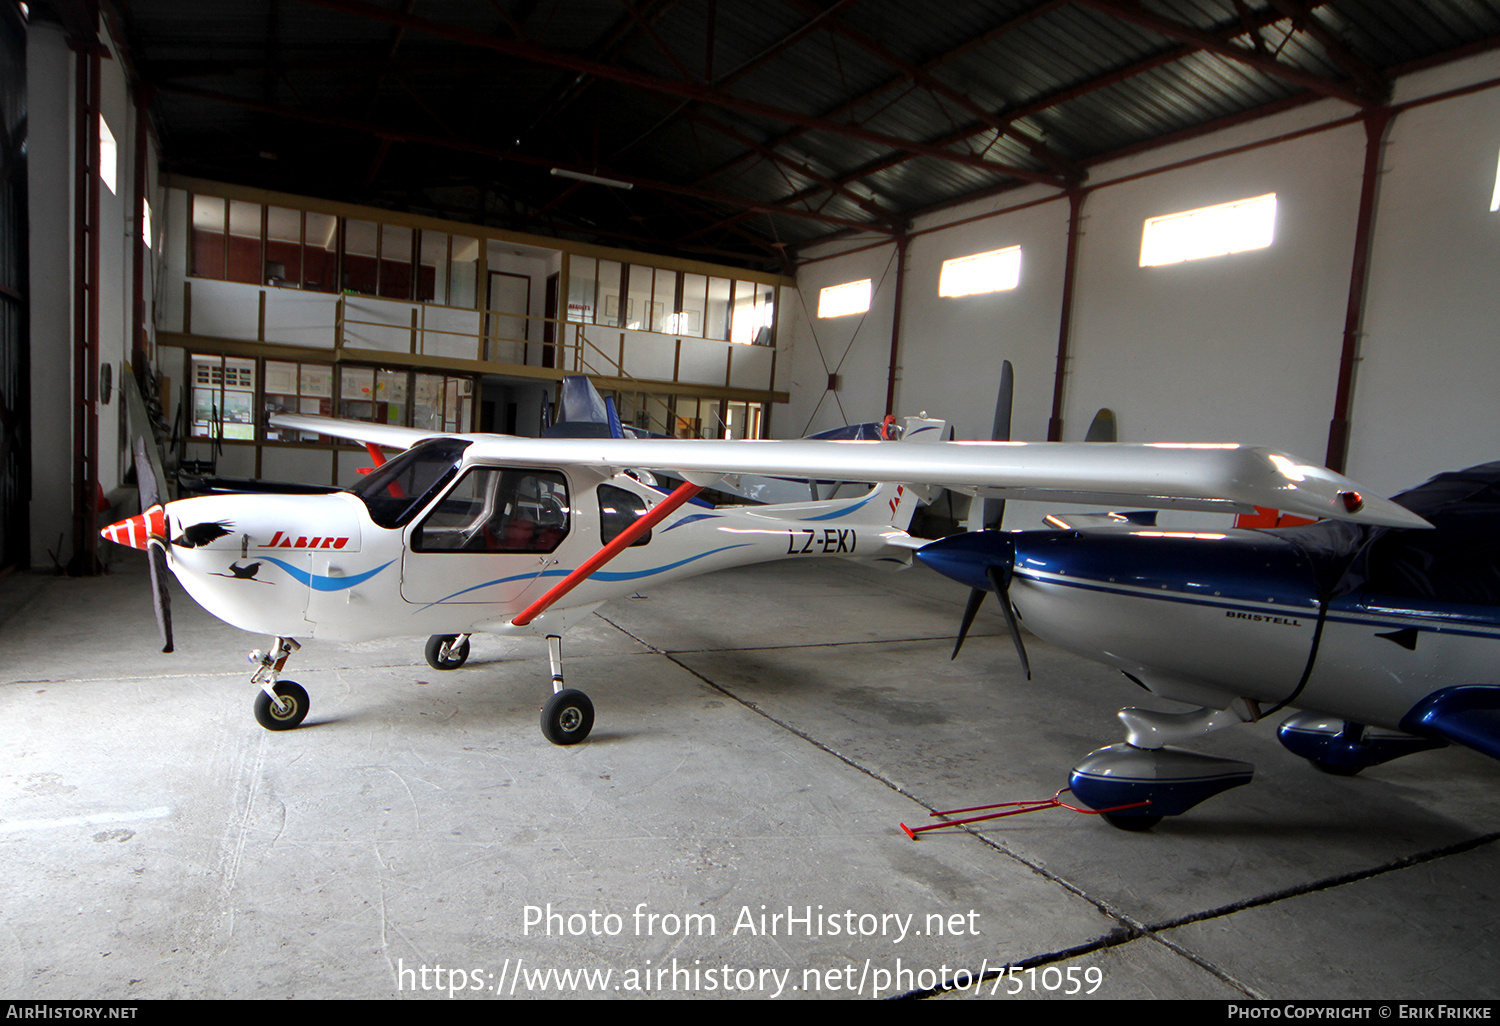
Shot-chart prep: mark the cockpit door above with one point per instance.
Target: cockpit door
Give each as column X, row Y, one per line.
column 493, row 535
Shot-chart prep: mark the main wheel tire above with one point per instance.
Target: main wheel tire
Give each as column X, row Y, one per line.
column 1126, row 821
column 292, row 713
column 567, row 717
column 456, row 656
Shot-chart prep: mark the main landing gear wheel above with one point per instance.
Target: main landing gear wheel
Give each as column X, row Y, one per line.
column 1126, row 821
column 567, row 717
column 1334, row 769
column 443, row 654
column 293, row 707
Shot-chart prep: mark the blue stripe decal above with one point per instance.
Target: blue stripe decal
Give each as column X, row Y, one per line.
column 598, row 575
column 690, row 520
column 1310, row 610
column 320, row 583
column 489, row 584
column 635, row 575
column 846, row 511
column 1368, row 620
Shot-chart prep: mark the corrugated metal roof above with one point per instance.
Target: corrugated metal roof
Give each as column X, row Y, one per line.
column 747, row 126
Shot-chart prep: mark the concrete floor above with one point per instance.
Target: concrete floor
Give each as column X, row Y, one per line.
column 761, row 734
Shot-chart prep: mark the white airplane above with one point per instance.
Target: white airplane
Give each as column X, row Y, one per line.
column 1384, row 640
column 472, row 534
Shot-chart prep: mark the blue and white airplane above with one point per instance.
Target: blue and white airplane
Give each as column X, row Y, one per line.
column 1384, row 640
column 495, row 534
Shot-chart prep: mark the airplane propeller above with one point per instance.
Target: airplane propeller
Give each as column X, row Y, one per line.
column 995, row 553
column 994, row 514
column 156, row 549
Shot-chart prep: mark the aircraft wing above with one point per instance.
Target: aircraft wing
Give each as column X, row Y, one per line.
column 1213, row 477
column 390, row 436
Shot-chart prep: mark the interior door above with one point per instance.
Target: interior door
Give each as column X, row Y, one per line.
column 509, row 304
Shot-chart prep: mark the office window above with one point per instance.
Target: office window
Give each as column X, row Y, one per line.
column 361, row 250
column 303, row 388
column 223, row 391
column 463, row 272
column 396, row 245
column 842, row 300
column 717, row 324
column 283, row 247
column 689, row 319
column 372, row 394
column 754, row 314
column 996, row 271
column 442, row 402
column 1209, row 231
column 432, row 267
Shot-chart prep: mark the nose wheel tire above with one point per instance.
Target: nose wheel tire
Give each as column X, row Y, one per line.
column 1125, row 821
column 567, row 717
column 1335, row 770
column 293, row 708
column 443, row 654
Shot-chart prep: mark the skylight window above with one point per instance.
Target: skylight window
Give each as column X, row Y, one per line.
column 1209, row 231
column 107, row 154
column 842, row 300
column 1495, row 199
column 996, row 271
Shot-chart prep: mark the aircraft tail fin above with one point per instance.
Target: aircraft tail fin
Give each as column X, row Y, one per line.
column 896, row 503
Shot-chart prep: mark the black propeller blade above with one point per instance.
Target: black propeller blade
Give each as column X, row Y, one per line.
column 976, row 599
column 994, row 509
column 161, row 598
column 1000, row 577
column 156, row 552
column 145, row 479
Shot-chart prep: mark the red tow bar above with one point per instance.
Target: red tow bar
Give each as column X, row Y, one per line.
column 1015, row 809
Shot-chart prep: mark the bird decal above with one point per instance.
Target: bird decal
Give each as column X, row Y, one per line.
column 243, row 573
column 202, row 534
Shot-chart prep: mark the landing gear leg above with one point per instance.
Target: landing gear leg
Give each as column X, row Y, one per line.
column 1145, row 768
column 447, row 651
column 281, row 704
column 568, row 716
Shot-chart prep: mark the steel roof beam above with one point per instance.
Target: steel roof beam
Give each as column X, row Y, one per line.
column 1136, row 13
column 1176, row 53
column 869, row 206
column 1369, row 79
column 685, row 90
column 1060, row 165
column 971, row 44
column 513, row 156
column 616, row 39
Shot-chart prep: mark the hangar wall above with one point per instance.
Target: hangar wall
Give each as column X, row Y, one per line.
column 1243, row 347
column 50, row 157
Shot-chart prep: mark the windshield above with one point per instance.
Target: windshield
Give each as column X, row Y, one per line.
column 396, row 490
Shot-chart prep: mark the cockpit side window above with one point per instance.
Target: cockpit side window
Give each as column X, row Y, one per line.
column 618, row 509
column 395, row 491
column 498, row 509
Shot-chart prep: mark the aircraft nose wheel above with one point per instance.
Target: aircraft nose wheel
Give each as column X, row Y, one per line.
column 293, row 709
column 447, row 651
column 567, row 717
column 1125, row 821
